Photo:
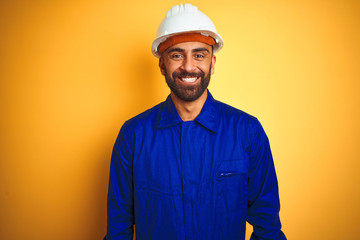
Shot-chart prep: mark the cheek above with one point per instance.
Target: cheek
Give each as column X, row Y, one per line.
column 207, row 68
column 171, row 69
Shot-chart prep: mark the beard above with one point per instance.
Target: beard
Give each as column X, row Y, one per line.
column 188, row 93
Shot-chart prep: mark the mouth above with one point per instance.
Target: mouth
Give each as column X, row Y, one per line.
column 188, row 79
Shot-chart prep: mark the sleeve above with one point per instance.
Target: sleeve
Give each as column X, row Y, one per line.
column 263, row 195
column 120, row 207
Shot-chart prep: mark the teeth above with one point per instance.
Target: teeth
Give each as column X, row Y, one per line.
column 189, row 80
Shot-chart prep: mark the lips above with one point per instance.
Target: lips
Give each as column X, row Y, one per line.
column 188, row 79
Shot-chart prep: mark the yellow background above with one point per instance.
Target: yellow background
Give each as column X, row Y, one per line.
column 71, row 72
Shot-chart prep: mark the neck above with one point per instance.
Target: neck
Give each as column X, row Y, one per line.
column 188, row 111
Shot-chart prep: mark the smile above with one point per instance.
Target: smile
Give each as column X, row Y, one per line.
column 188, row 79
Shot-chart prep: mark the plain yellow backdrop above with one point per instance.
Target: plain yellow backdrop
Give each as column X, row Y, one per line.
column 71, row 72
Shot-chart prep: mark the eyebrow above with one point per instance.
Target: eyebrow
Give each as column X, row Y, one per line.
column 200, row 50
column 182, row 50
column 176, row 50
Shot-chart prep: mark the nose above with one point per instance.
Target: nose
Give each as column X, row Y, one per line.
column 188, row 64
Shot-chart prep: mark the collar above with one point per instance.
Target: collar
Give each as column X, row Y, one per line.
column 208, row 117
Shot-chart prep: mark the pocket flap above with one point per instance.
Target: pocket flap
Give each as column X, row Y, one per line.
column 231, row 168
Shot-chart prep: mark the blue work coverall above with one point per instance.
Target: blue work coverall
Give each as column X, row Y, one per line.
column 193, row 180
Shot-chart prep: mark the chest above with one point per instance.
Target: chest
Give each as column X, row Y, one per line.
column 187, row 154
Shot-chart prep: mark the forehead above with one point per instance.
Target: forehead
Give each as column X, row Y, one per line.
column 190, row 46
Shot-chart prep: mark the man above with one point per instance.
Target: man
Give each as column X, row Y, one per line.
column 191, row 167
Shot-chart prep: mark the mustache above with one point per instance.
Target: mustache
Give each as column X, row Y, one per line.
column 185, row 74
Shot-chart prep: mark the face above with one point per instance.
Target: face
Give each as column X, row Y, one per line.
column 187, row 68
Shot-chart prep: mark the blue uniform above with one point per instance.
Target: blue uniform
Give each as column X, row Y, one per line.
column 193, row 180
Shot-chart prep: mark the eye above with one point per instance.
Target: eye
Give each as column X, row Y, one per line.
column 199, row 56
column 176, row 56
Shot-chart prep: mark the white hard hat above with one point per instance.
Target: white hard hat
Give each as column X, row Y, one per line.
column 183, row 19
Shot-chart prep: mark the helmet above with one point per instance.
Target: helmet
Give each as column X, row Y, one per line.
column 185, row 19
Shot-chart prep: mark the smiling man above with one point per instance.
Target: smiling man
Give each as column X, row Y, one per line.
column 191, row 167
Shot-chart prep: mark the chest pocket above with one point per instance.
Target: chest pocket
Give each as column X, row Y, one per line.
column 231, row 185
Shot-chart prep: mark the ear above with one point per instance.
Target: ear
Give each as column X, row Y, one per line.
column 213, row 61
column 162, row 66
